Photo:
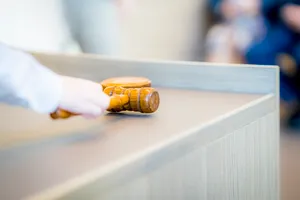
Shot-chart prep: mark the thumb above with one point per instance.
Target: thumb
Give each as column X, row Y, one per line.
column 91, row 111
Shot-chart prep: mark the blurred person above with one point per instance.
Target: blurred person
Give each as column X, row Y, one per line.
column 239, row 24
column 281, row 46
column 27, row 83
column 221, row 47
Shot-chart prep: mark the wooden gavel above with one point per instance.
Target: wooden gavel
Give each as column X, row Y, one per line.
column 126, row 94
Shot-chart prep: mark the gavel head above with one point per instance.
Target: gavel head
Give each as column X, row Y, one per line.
column 126, row 82
column 135, row 92
column 144, row 100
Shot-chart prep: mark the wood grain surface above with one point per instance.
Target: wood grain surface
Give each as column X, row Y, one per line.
column 38, row 153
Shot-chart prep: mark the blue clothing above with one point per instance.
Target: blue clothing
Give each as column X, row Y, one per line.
column 279, row 38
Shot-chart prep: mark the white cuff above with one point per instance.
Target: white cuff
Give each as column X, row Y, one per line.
column 25, row 82
column 43, row 91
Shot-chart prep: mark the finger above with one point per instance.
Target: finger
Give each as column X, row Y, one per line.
column 102, row 100
column 89, row 110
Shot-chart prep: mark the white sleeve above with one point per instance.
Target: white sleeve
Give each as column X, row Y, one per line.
column 25, row 82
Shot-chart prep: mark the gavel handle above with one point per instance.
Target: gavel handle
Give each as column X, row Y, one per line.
column 116, row 102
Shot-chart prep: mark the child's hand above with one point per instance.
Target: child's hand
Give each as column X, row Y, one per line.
column 83, row 97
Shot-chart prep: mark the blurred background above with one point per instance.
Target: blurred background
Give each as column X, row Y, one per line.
column 262, row 32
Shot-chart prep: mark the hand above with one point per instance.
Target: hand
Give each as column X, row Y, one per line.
column 291, row 15
column 83, row 97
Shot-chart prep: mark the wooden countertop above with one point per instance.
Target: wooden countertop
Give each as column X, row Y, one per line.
column 38, row 153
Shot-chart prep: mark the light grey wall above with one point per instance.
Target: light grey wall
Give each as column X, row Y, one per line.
column 33, row 25
column 169, row 29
